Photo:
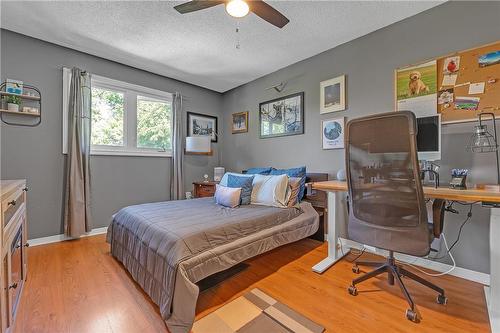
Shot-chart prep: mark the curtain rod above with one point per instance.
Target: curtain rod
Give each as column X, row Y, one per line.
column 184, row 97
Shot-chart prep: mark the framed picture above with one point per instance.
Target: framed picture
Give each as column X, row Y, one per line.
column 240, row 122
column 282, row 116
column 332, row 95
column 416, row 88
column 202, row 125
column 332, row 133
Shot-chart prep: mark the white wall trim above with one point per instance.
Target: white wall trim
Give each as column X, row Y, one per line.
column 460, row 272
column 62, row 237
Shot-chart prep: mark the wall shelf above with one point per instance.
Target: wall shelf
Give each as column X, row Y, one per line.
column 31, row 95
column 21, row 113
column 33, row 98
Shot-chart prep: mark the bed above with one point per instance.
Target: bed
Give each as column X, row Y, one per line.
column 169, row 246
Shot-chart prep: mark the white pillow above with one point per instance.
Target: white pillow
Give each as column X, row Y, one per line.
column 270, row 190
column 227, row 196
column 223, row 181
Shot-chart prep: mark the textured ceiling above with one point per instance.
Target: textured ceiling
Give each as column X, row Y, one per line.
column 199, row 47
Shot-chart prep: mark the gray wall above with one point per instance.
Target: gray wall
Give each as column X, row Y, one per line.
column 369, row 64
column 36, row 153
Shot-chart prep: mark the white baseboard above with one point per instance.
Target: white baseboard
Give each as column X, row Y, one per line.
column 62, row 237
column 463, row 273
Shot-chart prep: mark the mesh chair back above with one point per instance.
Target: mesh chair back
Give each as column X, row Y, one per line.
column 387, row 204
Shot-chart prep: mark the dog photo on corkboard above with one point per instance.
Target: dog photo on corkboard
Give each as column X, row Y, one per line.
column 415, row 81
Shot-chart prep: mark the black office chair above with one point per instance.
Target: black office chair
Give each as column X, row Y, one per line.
column 386, row 200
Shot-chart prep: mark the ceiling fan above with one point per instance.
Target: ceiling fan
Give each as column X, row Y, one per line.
column 238, row 8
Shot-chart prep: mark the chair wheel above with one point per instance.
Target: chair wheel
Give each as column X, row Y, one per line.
column 353, row 290
column 441, row 299
column 412, row 315
column 355, row 269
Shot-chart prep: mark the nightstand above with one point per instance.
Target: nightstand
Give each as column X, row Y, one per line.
column 204, row 189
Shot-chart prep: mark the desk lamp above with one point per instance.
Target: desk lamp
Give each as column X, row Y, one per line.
column 483, row 141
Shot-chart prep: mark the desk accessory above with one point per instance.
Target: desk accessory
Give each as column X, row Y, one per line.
column 483, row 141
column 432, row 169
column 458, row 178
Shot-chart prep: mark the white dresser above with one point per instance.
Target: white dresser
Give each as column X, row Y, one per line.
column 13, row 236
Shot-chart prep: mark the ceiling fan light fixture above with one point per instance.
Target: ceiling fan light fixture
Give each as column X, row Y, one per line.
column 237, row 8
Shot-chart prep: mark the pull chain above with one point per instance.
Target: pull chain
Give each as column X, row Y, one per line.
column 237, row 35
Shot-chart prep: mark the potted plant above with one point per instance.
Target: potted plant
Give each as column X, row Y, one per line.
column 13, row 103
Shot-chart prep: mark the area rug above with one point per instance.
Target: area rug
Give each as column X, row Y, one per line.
column 255, row 312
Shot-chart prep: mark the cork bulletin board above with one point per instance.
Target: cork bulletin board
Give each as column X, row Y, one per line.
column 458, row 86
column 470, row 71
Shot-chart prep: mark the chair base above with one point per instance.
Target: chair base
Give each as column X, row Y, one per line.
column 394, row 274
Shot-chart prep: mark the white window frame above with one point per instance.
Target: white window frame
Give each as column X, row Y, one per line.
column 131, row 91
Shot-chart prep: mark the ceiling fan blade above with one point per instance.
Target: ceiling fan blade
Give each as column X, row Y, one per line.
column 195, row 5
column 268, row 13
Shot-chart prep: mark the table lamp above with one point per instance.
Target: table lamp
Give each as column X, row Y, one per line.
column 198, row 145
column 483, row 141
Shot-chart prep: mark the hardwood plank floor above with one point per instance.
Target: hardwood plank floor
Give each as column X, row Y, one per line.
column 76, row 286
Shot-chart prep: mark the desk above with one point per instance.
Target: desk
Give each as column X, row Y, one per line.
column 337, row 213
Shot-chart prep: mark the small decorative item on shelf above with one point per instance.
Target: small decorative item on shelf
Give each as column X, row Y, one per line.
column 205, row 177
column 14, row 86
column 458, row 178
column 27, row 109
column 13, row 103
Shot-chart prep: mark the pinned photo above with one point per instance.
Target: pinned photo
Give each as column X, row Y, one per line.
column 451, row 65
column 467, row 103
column 445, row 96
column 489, row 59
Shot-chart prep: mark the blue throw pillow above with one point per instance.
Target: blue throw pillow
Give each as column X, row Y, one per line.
column 246, row 187
column 294, row 172
column 259, row 171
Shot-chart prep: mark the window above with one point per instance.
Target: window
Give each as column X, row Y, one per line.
column 129, row 119
column 107, row 117
column 153, row 123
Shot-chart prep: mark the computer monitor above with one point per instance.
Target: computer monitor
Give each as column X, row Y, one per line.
column 429, row 138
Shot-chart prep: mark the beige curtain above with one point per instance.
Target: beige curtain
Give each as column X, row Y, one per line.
column 177, row 167
column 77, row 218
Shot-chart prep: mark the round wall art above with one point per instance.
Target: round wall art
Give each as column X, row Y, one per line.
column 333, row 133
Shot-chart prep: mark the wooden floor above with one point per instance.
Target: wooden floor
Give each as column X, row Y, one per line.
column 76, row 286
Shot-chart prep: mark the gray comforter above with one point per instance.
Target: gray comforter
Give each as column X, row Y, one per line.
column 169, row 246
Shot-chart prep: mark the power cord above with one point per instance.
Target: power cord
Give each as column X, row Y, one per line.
column 435, row 274
column 467, row 219
column 358, row 254
column 448, row 248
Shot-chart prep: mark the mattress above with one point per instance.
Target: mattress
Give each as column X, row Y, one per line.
column 169, row 246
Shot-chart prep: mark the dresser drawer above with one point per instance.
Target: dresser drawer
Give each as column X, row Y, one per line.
column 11, row 205
column 205, row 191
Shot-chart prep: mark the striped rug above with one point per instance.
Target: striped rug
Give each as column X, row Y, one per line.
column 255, row 312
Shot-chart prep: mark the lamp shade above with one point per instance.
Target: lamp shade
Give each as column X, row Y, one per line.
column 198, row 144
column 482, row 141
